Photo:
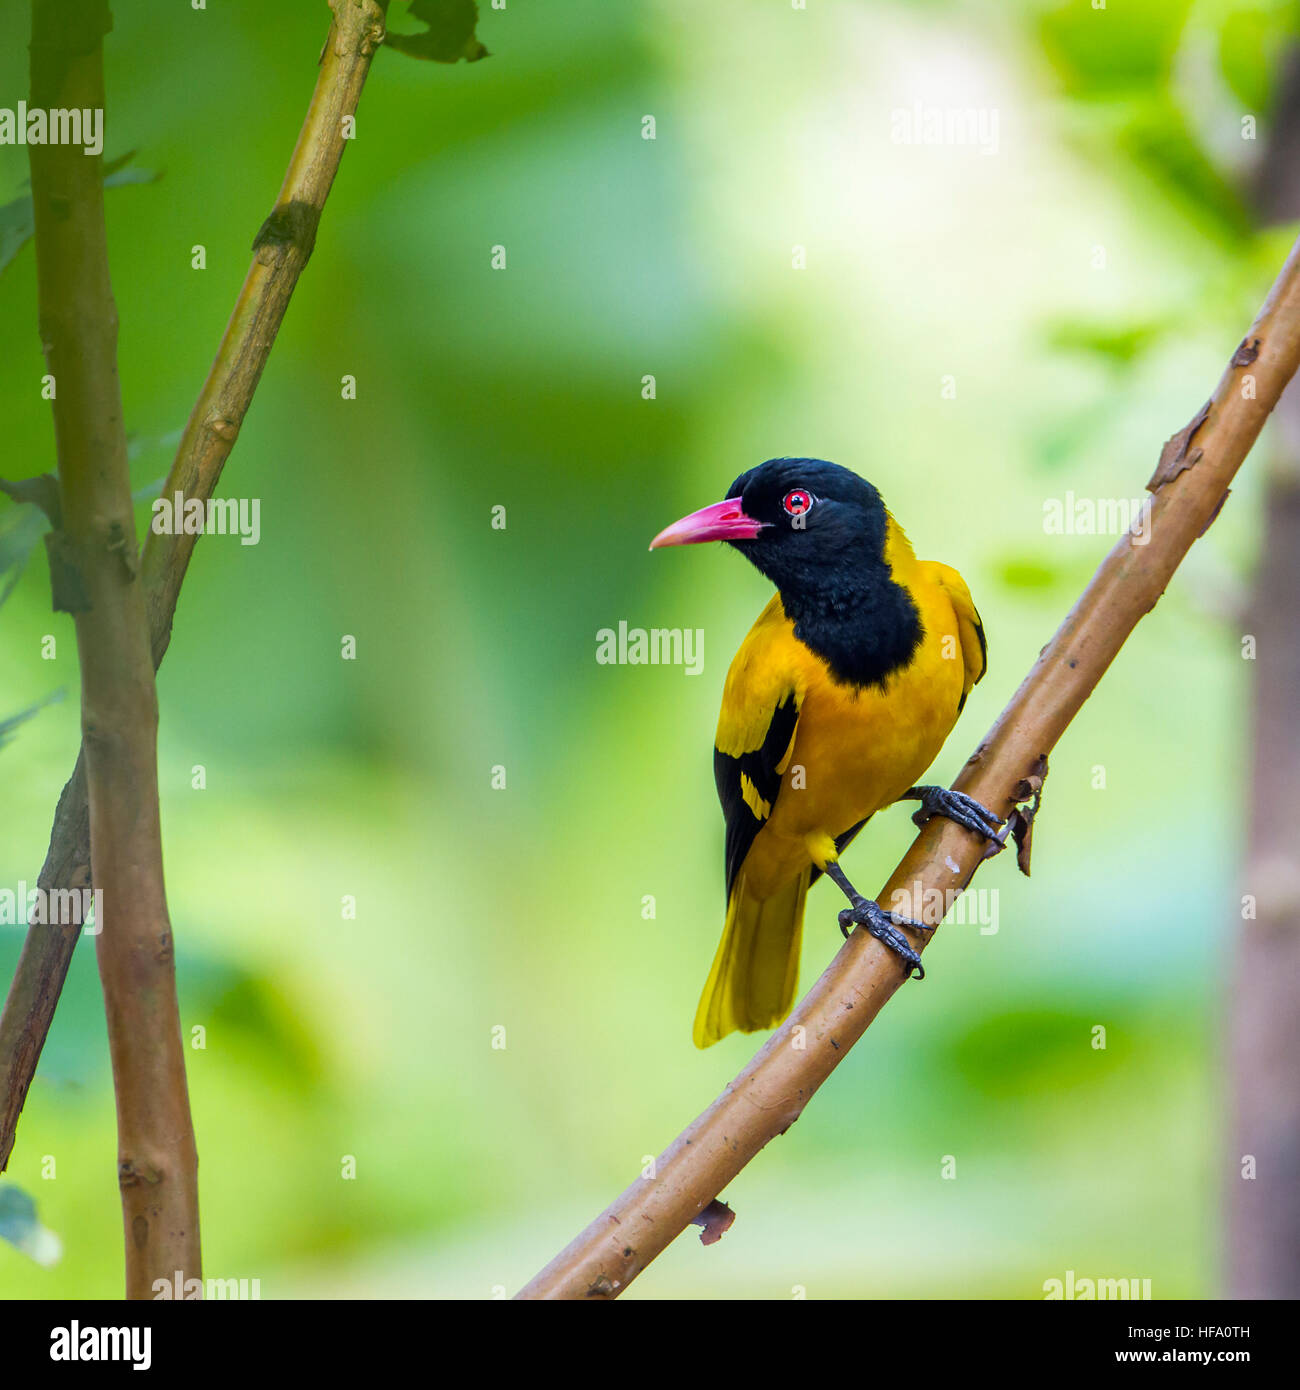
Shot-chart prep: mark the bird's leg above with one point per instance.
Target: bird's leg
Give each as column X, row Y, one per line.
column 881, row 924
column 965, row 810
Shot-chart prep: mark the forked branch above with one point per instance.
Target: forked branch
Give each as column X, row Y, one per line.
column 281, row 251
column 94, row 564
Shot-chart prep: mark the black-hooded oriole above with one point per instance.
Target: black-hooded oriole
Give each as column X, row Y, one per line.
column 837, row 701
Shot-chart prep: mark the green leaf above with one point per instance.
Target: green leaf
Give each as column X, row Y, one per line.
column 1120, row 343
column 20, row 1226
column 22, row 526
column 149, row 491
column 138, row 444
column 1152, row 137
column 7, row 726
column 1160, row 142
column 1028, row 572
column 1129, row 47
column 1252, row 41
column 129, row 176
column 449, row 37
column 15, row 228
column 20, row 529
column 257, row 1015
column 16, row 225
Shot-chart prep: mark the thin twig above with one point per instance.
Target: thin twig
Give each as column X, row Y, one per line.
column 94, row 563
column 281, row 251
column 1190, row 484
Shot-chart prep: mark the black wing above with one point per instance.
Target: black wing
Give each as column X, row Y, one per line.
column 754, row 772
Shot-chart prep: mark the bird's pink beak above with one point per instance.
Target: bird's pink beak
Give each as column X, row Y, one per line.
column 720, row 521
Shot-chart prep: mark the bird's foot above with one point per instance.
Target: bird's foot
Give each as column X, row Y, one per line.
column 884, row 927
column 957, row 806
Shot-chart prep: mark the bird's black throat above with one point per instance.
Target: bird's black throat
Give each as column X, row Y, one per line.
column 864, row 626
column 823, row 542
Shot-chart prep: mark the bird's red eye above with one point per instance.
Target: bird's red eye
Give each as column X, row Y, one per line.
column 796, row 503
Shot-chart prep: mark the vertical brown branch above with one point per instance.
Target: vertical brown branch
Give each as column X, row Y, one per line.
column 281, row 252
column 94, row 562
column 1264, row 1197
column 1262, row 1248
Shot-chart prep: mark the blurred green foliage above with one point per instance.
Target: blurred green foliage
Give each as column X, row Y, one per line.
column 521, row 909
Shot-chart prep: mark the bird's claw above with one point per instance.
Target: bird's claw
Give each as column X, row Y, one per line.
column 965, row 810
column 884, row 926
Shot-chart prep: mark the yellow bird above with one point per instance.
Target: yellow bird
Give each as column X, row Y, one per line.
column 838, row 700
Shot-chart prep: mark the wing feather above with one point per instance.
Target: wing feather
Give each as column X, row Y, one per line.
column 748, row 783
column 974, row 648
column 756, row 730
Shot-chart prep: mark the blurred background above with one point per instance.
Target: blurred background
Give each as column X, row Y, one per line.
column 981, row 327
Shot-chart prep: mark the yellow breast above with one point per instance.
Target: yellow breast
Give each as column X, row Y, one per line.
column 855, row 749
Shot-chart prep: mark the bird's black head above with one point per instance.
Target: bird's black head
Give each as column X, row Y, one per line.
column 818, row 532
column 821, row 523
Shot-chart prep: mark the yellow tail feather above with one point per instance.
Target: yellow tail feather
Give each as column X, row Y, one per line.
column 756, row 969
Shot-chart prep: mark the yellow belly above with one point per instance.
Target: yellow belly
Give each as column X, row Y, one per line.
column 857, row 750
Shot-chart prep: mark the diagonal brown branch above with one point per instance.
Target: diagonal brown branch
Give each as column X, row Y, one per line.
column 94, row 563
column 281, row 251
column 1190, row 486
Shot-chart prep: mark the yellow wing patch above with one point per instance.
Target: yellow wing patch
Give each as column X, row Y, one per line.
column 770, row 666
column 761, row 809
